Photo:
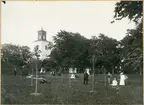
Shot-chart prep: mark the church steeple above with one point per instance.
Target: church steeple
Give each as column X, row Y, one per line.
column 42, row 34
column 42, row 44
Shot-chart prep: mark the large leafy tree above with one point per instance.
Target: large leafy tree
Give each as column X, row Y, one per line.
column 16, row 55
column 105, row 51
column 74, row 50
column 71, row 48
column 129, row 9
column 132, row 52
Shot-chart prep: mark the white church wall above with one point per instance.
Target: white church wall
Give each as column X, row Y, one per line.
column 44, row 53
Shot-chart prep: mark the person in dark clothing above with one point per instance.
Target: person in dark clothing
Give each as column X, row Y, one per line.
column 109, row 78
column 14, row 71
column 86, row 77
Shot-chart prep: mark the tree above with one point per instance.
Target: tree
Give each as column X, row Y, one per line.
column 15, row 56
column 104, row 48
column 130, row 9
column 50, row 45
column 133, row 49
column 132, row 52
column 72, row 49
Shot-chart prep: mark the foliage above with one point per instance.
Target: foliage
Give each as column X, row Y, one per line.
column 71, row 49
column 74, row 50
column 132, row 51
column 16, row 55
column 50, row 45
column 104, row 48
column 130, row 9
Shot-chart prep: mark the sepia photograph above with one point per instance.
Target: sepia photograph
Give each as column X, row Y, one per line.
column 72, row 52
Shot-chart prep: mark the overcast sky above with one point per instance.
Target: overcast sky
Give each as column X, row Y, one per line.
column 22, row 20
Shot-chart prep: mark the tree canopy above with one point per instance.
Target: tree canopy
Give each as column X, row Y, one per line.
column 132, row 51
column 16, row 55
column 132, row 10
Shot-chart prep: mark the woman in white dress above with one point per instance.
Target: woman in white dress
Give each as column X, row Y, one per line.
column 122, row 79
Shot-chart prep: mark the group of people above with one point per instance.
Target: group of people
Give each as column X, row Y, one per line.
column 109, row 76
column 115, row 82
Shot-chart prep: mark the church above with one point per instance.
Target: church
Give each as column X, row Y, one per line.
column 42, row 44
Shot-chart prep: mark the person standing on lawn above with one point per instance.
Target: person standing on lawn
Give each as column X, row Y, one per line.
column 109, row 77
column 122, row 79
column 86, row 77
column 15, row 71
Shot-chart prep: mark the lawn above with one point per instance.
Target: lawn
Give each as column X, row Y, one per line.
column 57, row 91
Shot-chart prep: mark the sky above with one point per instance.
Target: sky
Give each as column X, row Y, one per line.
column 22, row 20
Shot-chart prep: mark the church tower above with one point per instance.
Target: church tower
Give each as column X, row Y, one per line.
column 42, row 44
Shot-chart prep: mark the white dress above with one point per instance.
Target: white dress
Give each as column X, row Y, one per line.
column 114, row 83
column 87, row 70
column 122, row 80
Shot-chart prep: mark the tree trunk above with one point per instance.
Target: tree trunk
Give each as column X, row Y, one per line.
column 140, row 70
column 113, row 71
column 104, row 76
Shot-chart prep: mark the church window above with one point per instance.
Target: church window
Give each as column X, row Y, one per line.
column 39, row 36
column 44, row 37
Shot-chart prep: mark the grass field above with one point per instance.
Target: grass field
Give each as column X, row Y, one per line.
column 16, row 91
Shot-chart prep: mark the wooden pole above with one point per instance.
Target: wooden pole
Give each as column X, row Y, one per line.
column 105, row 76
column 36, row 93
column 21, row 75
column 36, row 80
column 32, row 78
column 93, row 75
column 61, row 74
column 69, row 81
column 113, row 71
